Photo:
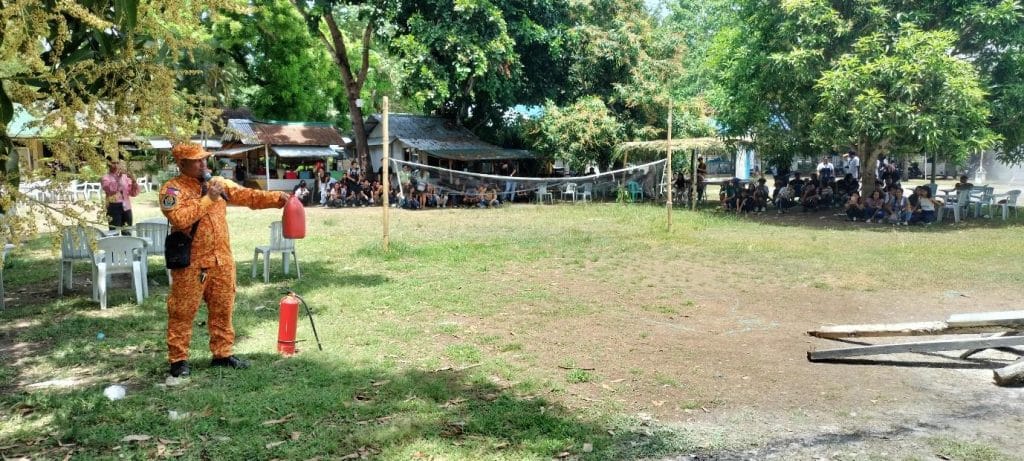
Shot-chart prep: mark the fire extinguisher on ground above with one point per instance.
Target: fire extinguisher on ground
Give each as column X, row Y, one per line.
column 287, row 323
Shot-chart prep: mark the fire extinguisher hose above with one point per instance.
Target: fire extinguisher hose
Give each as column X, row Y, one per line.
column 311, row 323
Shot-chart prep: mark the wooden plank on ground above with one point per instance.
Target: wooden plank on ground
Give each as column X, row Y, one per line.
column 918, row 346
column 971, row 352
column 1005, row 318
column 899, row 329
column 1010, row 374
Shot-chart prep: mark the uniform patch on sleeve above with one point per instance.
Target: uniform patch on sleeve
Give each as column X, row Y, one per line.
column 168, row 201
column 172, row 191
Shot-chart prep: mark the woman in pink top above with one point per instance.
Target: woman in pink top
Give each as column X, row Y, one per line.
column 120, row 187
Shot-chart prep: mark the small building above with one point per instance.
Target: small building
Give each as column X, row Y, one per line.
column 436, row 142
column 277, row 155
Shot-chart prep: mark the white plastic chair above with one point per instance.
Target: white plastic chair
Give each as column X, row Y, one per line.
column 93, row 188
column 958, row 205
column 3, row 258
column 74, row 190
column 155, row 235
column 542, row 191
column 119, row 255
column 278, row 244
column 982, row 197
column 75, row 245
column 144, row 184
column 1010, row 201
column 585, row 192
column 570, row 190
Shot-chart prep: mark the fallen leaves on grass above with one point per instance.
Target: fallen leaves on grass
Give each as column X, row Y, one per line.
column 362, row 453
column 271, row 445
column 285, row 419
column 136, row 438
column 295, row 435
column 453, row 402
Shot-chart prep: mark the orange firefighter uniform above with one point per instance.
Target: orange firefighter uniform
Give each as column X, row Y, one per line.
column 211, row 274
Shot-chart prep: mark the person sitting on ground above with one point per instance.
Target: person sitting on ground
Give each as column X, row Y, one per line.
column 302, row 192
column 797, row 183
column 810, row 198
column 874, row 206
column 469, row 195
column 727, row 195
column 376, row 193
column 825, row 196
column 336, row 196
column 745, row 201
column 492, row 196
column 785, row 197
column 815, row 180
column 897, row 207
column 359, row 196
column 963, row 184
column 761, row 195
column 847, row 186
column 925, row 212
column 854, row 207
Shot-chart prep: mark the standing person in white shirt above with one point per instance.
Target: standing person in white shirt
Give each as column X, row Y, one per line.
column 853, row 164
column 826, row 170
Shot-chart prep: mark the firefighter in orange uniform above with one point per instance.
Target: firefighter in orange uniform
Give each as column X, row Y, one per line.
column 210, row 276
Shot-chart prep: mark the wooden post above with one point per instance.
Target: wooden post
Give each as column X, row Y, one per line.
column 266, row 163
column 693, row 183
column 385, row 161
column 668, row 170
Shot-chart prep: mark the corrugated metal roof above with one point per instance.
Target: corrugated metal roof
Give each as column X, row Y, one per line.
column 303, row 151
column 440, row 138
column 240, row 129
column 279, row 133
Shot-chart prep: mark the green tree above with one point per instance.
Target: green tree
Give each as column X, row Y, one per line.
column 582, row 133
column 768, row 62
column 289, row 75
column 903, row 90
column 347, row 31
column 95, row 71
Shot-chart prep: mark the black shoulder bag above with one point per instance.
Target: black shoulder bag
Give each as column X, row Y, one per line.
column 178, row 248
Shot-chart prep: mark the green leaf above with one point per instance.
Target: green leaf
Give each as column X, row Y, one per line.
column 127, row 14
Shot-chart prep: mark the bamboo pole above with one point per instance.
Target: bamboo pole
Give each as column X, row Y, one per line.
column 266, row 163
column 693, row 184
column 385, row 165
column 668, row 174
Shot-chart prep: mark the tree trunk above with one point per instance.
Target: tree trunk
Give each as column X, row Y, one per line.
column 359, row 135
column 353, row 81
column 869, row 152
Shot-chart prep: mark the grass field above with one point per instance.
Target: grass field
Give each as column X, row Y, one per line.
column 530, row 332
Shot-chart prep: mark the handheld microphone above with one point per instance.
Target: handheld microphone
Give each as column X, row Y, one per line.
column 207, row 177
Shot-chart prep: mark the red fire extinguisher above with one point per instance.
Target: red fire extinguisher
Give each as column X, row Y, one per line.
column 287, row 323
column 287, row 320
column 293, row 219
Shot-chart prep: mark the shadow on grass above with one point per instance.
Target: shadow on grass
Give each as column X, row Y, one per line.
column 312, row 405
column 56, row 369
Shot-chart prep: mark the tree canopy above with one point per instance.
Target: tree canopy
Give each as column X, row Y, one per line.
column 793, row 77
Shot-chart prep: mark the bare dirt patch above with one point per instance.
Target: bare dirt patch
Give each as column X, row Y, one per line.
column 679, row 345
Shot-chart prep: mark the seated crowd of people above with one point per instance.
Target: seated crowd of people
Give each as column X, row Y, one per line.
column 414, row 190
column 886, row 204
column 421, row 190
